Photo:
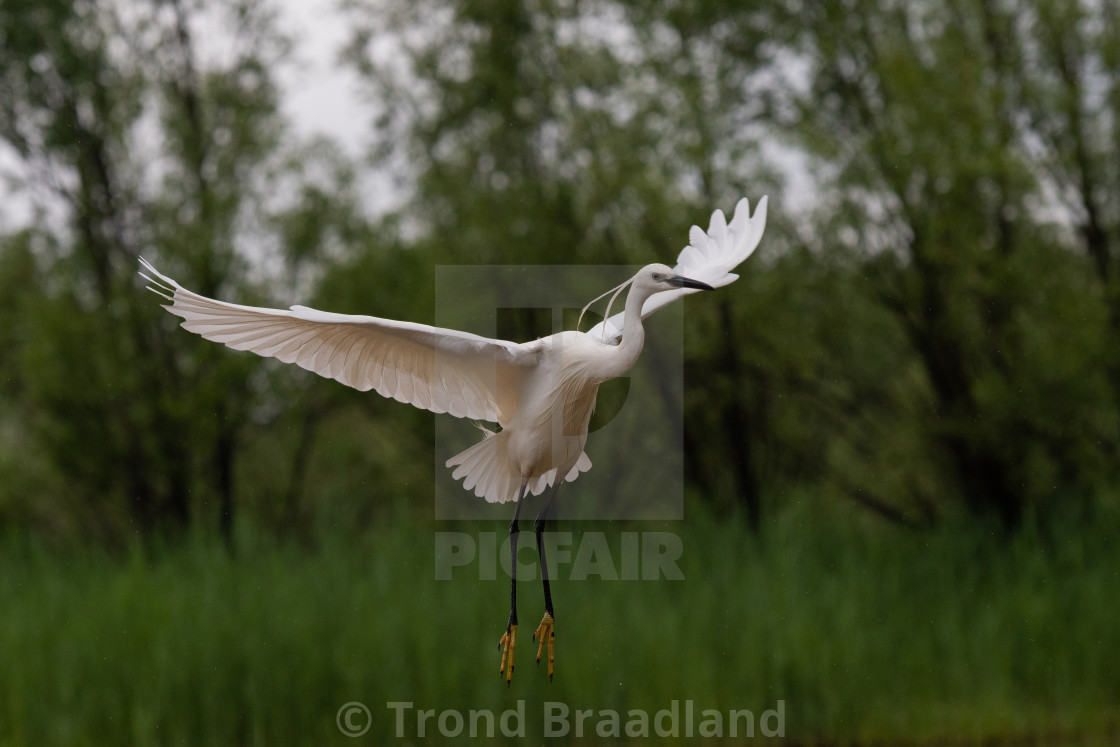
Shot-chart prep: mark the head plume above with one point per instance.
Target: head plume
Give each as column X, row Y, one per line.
column 615, row 290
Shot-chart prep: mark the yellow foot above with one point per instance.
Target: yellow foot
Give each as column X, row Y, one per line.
column 546, row 627
column 507, row 644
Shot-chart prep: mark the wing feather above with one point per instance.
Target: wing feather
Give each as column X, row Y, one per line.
column 429, row 367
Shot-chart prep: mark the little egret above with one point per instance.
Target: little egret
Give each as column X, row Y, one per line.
column 540, row 393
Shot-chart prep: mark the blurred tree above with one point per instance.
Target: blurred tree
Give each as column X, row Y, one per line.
column 1061, row 66
column 937, row 330
column 615, row 123
column 935, row 192
column 143, row 145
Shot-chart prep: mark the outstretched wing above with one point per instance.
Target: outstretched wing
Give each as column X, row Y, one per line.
column 709, row 257
column 435, row 369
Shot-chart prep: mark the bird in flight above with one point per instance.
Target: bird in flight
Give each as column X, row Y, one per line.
column 540, row 393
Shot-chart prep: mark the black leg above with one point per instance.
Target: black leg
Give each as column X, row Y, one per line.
column 546, row 630
column 514, row 534
column 538, row 525
column 509, row 639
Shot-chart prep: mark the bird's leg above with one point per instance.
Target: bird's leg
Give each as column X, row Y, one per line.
column 548, row 623
column 509, row 639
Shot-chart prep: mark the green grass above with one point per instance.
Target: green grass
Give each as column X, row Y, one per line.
column 866, row 635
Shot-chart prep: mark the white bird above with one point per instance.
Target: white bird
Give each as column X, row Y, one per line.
column 540, row 393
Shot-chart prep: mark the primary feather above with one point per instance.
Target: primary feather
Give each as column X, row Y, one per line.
column 435, row 369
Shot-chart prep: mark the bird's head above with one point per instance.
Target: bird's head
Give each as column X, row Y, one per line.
column 658, row 277
column 649, row 280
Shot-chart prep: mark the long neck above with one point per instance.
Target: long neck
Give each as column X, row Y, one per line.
column 633, row 334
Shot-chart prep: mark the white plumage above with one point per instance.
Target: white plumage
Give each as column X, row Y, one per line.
column 709, row 257
column 540, row 393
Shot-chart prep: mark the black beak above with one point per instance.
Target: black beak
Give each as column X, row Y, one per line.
column 680, row 282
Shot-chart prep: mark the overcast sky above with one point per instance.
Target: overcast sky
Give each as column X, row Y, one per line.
column 322, row 96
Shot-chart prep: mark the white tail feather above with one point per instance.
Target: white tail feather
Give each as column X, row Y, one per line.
column 485, row 469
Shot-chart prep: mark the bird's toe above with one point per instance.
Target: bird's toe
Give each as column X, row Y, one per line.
column 508, row 643
column 546, row 631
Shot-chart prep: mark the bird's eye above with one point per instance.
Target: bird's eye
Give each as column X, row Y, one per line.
column 658, row 277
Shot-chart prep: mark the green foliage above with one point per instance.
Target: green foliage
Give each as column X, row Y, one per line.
column 924, row 114
column 927, row 338
column 136, row 432
column 867, row 636
column 930, row 333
